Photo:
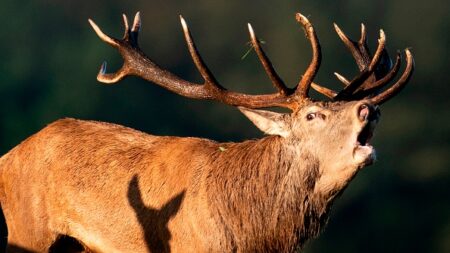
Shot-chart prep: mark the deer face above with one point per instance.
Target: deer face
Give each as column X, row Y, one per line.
column 338, row 133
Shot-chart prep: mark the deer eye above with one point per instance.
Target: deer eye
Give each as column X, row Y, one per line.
column 311, row 116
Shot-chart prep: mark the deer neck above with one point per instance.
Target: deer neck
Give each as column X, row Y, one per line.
column 265, row 189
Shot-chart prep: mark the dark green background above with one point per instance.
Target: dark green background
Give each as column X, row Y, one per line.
column 49, row 58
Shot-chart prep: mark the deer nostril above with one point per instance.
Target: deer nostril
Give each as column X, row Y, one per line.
column 363, row 112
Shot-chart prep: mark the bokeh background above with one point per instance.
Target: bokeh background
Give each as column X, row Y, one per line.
column 49, row 58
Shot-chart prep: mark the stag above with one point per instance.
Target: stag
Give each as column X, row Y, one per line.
column 109, row 188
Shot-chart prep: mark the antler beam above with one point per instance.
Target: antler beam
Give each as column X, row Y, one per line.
column 138, row 64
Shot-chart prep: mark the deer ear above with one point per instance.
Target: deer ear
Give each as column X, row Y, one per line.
column 271, row 123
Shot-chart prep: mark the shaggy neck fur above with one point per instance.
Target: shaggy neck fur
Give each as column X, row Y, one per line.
column 265, row 195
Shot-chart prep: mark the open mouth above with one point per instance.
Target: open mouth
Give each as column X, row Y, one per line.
column 368, row 116
column 366, row 133
column 363, row 151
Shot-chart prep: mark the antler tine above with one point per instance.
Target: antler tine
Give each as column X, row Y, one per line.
column 372, row 88
column 110, row 78
column 126, row 32
column 102, row 76
column 342, row 79
column 346, row 93
column 306, row 80
column 363, row 39
column 323, row 90
column 359, row 50
column 137, row 23
column 135, row 29
column 363, row 48
column 198, row 61
column 400, row 84
column 353, row 46
column 377, row 56
column 104, row 37
column 268, row 67
column 131, row 35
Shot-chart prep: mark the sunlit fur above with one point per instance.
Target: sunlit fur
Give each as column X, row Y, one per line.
column 115, row 189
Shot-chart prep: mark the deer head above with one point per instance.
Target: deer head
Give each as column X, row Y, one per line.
column 338, row 131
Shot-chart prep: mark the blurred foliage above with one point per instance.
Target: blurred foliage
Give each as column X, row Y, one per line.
column 50, row 57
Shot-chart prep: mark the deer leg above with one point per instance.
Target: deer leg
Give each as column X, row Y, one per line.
column 68, row 244
column 26, row 237
column 17, row 244
column 62, row 243
column 12, row 248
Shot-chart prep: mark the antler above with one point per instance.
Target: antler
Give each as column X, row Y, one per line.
column 375, row 72
column 138, row 64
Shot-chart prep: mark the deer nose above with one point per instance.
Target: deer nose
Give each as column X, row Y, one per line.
column 367, row 111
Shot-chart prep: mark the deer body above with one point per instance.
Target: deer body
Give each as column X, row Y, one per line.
column 113, row 189
column 188, row 205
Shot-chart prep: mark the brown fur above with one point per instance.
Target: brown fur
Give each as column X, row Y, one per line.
column 115, row 189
